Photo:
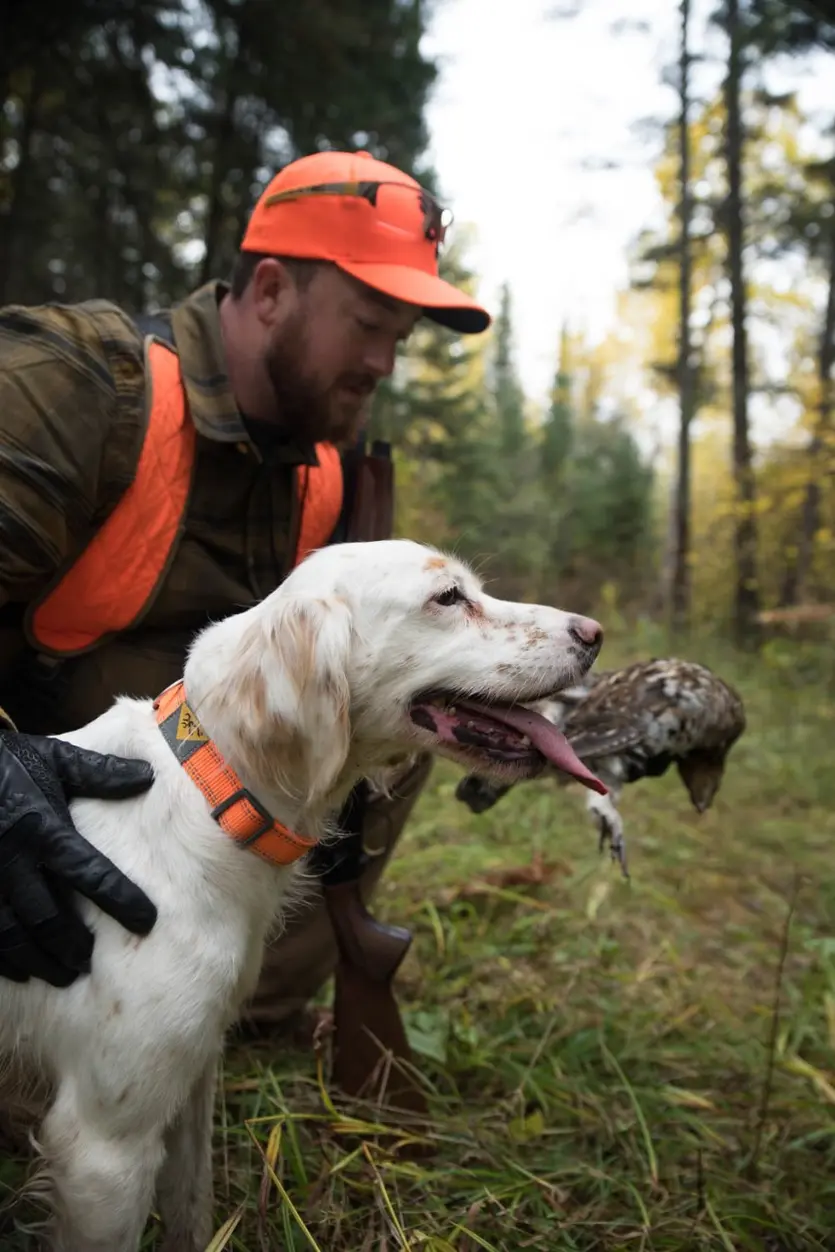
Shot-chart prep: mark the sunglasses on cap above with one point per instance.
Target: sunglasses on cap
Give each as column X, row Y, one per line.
column 436, row 220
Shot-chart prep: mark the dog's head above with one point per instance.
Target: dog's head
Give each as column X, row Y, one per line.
column 369, row 650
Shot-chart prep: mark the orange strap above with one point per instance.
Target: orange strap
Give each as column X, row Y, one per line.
column 235, row 809
column 116, row 576
column 320, row 491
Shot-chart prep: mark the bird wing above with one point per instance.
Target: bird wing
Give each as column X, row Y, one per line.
column 658, row 707
column 603, row 736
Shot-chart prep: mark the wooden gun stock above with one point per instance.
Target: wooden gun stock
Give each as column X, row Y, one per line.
column 371, row 1053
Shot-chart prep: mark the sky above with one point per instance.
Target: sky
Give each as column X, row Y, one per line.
column 526, row 104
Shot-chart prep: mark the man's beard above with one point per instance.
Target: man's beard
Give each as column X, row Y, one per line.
column 308, row 411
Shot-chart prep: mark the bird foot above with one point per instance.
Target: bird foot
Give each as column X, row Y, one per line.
column 612, row 837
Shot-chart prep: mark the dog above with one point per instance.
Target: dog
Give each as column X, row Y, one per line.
column 367, row 651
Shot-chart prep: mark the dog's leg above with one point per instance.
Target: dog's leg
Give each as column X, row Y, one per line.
column 184, row 1184
column 102, row 1183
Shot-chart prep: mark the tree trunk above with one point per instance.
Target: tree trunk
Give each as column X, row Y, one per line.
column 680, row 583
column 797, row 573
column 662, row 595
column 746, row 598
column 221, row 148
column 13, row 219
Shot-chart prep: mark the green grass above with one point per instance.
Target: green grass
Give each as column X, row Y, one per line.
column 606, row 1066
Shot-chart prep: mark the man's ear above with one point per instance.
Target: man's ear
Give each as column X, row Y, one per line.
column 272, row 289
column 285, row 703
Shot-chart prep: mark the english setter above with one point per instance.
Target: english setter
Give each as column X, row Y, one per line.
column 366, row 652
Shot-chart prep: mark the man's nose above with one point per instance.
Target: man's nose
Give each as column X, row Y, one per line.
column 379, row 359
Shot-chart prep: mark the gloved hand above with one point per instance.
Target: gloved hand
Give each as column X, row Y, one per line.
column 43, row 858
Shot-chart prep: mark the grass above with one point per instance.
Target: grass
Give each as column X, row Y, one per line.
column 612, row 1065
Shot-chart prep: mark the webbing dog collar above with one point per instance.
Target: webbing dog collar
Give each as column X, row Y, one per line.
column 234, row 808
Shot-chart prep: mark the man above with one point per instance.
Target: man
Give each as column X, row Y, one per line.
column 338, row 262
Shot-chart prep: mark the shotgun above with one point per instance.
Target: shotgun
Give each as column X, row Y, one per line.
column 371, row 1054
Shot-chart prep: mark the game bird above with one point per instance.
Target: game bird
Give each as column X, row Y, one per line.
column 632, row 723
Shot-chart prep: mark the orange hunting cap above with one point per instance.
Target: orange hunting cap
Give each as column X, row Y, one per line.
column 373, row 221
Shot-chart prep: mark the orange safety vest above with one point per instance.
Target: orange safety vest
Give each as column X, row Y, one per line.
column 115, row 579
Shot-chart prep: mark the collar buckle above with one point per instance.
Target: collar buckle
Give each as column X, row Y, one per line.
column 245, row 795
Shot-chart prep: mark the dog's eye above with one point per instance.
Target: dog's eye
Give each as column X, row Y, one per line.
column 452, row 595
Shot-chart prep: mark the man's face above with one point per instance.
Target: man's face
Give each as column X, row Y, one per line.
column 329, row 343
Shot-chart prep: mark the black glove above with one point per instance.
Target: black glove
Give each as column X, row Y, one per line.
column 43, row 858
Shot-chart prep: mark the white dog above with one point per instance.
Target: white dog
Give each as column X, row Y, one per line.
column 365, row 652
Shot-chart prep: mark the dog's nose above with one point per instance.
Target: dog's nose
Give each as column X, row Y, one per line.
column 586, row 631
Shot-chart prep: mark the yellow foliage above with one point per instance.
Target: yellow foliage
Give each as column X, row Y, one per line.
column 775, row 153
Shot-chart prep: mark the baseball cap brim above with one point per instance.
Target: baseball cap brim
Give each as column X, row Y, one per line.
column 440, row 301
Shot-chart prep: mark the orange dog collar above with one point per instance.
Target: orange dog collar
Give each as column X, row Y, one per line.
column 234, row 808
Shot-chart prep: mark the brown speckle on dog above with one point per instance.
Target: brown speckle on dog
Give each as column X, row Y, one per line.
column 435, row 562
column 533, row 636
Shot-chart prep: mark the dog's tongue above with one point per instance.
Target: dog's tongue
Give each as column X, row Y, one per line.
column 545, row 737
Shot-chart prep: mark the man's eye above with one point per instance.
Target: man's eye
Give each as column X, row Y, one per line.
column 369, row 327
column 452, row 595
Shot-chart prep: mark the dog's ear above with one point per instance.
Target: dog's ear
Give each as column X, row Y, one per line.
column 288, row 695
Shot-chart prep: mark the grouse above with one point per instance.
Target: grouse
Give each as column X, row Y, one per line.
column 633, row 723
